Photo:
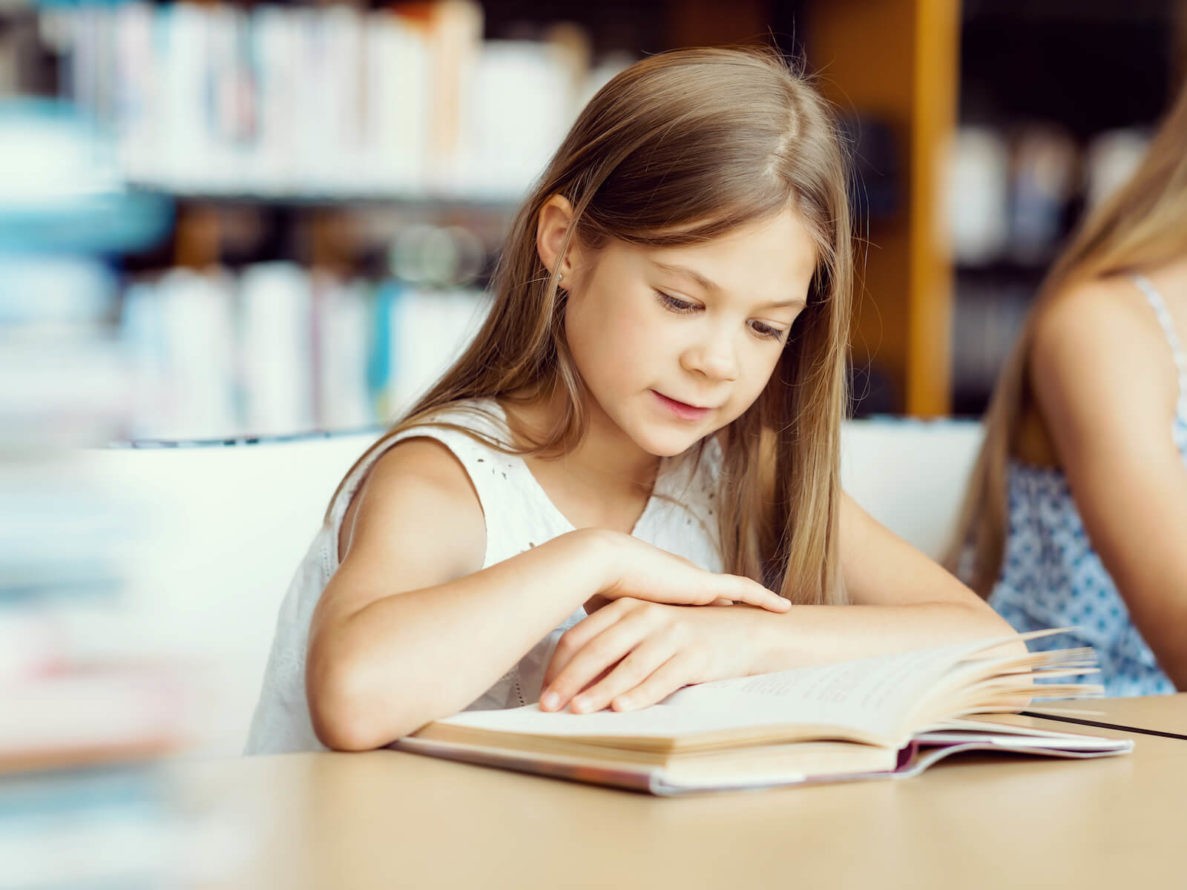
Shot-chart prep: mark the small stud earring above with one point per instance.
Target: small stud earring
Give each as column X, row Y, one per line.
column 560, row 277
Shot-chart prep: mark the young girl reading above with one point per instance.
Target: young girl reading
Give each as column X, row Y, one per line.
column 655, row 398
column 1077, row 509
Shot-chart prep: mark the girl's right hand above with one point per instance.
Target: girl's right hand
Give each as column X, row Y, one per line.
column 643, row 571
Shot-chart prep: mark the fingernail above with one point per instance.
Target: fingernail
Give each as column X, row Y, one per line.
column 578, row 705
column 623, row 703
column 549, row 701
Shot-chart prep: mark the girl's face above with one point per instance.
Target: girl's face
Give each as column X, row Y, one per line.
column 675, row 343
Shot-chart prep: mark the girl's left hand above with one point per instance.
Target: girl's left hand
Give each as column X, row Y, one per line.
column 633, row 653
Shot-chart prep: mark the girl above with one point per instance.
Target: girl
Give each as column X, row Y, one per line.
column 1077, row 509
column 655, row 397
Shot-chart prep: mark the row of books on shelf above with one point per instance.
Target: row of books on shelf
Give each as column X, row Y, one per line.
column 1013, row 193
column 987, row 319
column 278, row 349
column 406, row 100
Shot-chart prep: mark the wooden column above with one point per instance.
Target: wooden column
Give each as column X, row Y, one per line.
column 898, row 61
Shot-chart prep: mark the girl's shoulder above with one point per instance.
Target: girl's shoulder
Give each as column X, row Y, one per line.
column 469, row 428
column 418, row 480
column 428, row 461
column 480, row 420
column 1098, row 319
column 1096, row 301
column 1099, row 354
column 414, row 515
column 454, row 435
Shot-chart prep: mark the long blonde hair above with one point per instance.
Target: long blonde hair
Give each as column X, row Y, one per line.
column 1142, row 226
column 679, row 148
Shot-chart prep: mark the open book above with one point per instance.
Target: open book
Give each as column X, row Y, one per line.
column 890, row 715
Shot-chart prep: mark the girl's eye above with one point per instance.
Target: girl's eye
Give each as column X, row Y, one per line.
column 675, row 304
column 766, row 331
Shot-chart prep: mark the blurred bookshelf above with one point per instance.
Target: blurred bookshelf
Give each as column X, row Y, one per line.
column 366, row 189
column 1057, row 103
column 340, row 177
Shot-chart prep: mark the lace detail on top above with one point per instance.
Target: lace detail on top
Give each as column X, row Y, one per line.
column 679, row 517
column 1052, row 577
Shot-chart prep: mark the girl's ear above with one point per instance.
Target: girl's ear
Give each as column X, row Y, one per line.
column 553, row 225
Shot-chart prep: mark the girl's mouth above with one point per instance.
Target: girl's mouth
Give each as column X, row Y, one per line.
column 683, row 410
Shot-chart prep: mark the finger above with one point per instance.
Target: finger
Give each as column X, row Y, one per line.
column 605, row 673
column 594, row 661
column 602, row 652
column 672, row 675
column 582, row 632
column 637, row 666
column 745, row 590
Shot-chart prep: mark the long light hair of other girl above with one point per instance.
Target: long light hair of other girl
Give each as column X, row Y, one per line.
column 1142, row 226
column 679, row 148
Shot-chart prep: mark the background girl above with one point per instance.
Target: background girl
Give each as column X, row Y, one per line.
column 655, row 397
column 1077, row 509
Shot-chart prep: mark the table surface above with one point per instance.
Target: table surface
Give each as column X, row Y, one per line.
column 387, row 818
column 1153, row 713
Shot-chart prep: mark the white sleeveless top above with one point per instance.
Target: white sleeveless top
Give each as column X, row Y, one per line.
column 680, row 517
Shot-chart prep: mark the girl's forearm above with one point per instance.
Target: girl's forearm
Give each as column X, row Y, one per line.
column 405, row 659
column 809, row 635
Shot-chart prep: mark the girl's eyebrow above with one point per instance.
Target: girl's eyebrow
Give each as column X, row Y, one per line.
column 688, row 273
column 708, row 285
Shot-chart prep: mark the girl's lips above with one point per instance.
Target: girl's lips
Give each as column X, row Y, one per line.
column 681, row 409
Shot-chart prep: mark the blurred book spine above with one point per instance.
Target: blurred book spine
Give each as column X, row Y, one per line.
column 279, row 349
column 1016, row 194
column 407, row 100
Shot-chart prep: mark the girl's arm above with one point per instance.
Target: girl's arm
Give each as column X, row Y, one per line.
column 906, row 600
column 901, row 600
column 409, row 628
column 1106, row 387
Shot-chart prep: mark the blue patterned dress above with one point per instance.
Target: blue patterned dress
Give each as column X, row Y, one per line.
column 1052, row 577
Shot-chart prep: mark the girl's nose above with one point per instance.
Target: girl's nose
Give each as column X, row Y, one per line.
column 713, row 356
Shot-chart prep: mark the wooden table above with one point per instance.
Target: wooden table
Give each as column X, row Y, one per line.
column 387, row 819
column 1157, row 714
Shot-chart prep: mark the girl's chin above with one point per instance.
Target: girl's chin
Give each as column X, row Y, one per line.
column 660, row 436
column 668, row 446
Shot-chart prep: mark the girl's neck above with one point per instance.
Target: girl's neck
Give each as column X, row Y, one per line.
column 604, row 453
column 605, row 481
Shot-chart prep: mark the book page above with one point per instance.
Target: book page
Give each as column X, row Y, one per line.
column 660, row 723
column 872, row 699
column 878, row 694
